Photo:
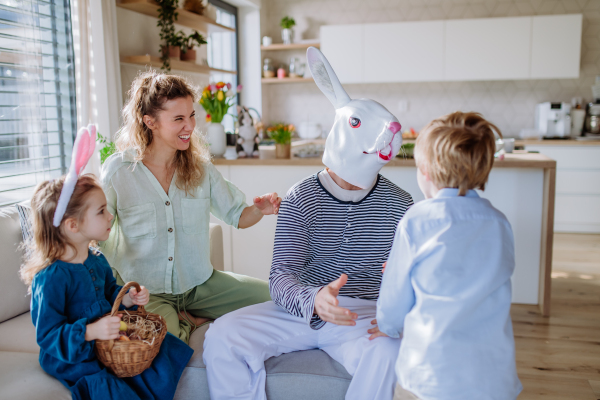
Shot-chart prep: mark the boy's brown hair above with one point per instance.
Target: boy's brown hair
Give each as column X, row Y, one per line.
column 457, row 151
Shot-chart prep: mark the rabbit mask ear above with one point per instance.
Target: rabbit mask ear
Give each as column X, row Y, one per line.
column 326, row 79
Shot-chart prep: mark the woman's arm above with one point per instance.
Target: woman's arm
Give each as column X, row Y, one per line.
column 264, row 205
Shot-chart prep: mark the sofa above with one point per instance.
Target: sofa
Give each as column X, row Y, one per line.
column 301, row 375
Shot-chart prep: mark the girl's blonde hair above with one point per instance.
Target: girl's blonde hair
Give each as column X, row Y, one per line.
column 149, row 92
column 49, row 243
column 457, row 151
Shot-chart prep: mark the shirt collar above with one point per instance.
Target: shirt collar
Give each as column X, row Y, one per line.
column 453, row 192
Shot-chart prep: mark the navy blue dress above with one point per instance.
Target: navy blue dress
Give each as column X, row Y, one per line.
column 65, row 298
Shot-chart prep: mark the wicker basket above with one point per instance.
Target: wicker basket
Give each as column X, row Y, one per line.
column 130, row 358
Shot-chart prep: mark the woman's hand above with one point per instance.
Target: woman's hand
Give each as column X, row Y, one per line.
column 106, row 328
column 268, row 204
column 375, row 332
column 263, row 205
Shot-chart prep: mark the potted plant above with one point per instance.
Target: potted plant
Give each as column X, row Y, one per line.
column 187, row 46
column 109, row 148
column 286, row 29
column 216, row 100
column 282, row 135
column 167, row 15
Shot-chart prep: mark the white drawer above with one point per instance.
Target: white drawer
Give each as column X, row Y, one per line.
column 571, row 209
column 572, row 181
column 571, row 156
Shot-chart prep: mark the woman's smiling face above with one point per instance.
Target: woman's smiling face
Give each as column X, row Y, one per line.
column 174, row 124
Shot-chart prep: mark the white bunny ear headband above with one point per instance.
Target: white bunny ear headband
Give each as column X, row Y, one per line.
column 83, row 148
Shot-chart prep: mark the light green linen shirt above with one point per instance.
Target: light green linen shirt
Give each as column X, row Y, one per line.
column 161, row 240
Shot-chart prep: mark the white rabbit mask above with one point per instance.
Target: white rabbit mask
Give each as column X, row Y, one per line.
column 365, row 135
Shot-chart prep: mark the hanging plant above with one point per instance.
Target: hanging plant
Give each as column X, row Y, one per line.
column 167, row 15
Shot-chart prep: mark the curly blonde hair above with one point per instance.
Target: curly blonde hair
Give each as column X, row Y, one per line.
column 457, row 151
column 49, row 243
column 149, row 92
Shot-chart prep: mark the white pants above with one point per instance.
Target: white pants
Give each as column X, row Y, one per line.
column 238, row 344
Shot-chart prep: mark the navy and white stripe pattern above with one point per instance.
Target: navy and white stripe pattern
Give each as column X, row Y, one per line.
column 319, row 237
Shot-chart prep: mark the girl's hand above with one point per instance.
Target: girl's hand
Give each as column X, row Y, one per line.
column 375, row 332
column 139, row 299
column 268, row 204
column 106, row 328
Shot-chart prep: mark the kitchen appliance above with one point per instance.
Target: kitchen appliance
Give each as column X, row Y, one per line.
column 591, row 126
column 553, row 120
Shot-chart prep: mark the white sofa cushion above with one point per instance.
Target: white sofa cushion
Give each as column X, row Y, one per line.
column 22, row 378
column 13, row 292
column 18, row 334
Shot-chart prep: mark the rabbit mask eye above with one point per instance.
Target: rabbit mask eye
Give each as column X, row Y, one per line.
column 354, row 122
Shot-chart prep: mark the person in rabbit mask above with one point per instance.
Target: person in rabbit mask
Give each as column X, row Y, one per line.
column 334, row 231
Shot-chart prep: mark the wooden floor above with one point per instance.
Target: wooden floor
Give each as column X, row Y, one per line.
column 559, row 357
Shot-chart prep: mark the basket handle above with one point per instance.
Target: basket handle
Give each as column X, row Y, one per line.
column 122, row 294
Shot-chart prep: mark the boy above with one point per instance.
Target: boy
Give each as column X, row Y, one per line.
column 446, row 288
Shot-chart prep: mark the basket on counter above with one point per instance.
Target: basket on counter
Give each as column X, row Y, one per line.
column 130, row 358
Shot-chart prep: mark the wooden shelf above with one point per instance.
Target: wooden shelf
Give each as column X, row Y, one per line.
column 293, row 46
column 176, row 64
column 286, row 80
column 185, row 18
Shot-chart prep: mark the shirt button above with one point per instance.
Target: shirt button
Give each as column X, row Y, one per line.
column 168, row 203
column 170, row 258
column 93, row 278
column 97, row 288
column 170, row 230
column 91, row 271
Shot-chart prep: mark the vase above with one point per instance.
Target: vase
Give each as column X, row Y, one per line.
column 189, row 55
column 287, row 35
column 216, row 139
column 172, row 51
column 283, row 150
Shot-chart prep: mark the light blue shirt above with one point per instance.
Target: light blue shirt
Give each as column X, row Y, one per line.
column 447, row 291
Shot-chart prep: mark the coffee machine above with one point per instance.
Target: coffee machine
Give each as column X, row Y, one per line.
column 591, row 127
column 553, row 120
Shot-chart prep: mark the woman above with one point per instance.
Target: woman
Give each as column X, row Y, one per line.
column 161, row 188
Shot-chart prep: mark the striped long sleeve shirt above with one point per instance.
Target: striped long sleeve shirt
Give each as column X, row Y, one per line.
column 319, row 237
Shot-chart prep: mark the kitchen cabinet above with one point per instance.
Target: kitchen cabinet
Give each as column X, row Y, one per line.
column 487, row 49
column 343, row 45
column 404, row 52
column 539, row 47
column 577, row 206
column 556, row 46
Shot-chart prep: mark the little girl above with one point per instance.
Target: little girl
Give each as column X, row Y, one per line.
column 72, row 285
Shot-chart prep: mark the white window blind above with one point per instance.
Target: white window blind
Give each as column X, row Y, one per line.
column 37, row 95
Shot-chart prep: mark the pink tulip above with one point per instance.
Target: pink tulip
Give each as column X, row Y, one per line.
column 213, row 88
column 228, row 86
column 239, row 88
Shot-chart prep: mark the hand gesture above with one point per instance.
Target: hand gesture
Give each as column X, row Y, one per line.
column 139, row 299
column 375, row 332
column 106, row 328
column 383, row 267
column 268, row 204
column 326, row 304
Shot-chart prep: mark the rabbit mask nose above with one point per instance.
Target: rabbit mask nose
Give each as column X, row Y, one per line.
column 395, row 127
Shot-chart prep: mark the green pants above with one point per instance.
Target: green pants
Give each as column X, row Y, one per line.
column 223, row 292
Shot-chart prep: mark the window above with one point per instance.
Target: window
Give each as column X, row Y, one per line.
column 37, row 95
column 223, row 52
